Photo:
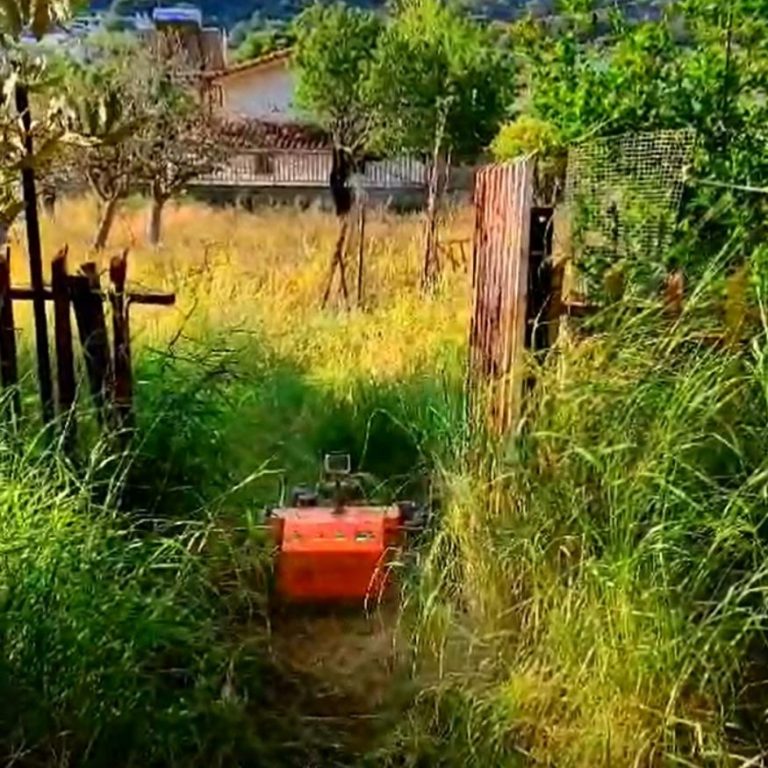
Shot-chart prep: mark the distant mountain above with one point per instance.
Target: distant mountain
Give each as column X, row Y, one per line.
column 228, row 13
column 241, row 15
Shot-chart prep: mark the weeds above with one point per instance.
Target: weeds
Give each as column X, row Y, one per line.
column 600, row 602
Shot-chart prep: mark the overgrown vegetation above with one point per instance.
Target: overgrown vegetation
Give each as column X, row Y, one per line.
column 593, row 590
column 599, row 602
column 134, row 586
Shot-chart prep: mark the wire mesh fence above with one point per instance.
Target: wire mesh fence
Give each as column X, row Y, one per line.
column 623, row 194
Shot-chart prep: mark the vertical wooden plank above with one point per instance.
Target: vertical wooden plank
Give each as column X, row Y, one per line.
column 522, row 223
column 65, row 363
column 121, row 340
column 9, row 367
column 92, row 328
column 507, row 248
column 473, row 372
column 495, row 339
column 35, row 258
column 503, row 201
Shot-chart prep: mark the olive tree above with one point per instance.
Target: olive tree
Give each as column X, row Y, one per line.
column 177, row 145
column 146, row 131
column 106, row 109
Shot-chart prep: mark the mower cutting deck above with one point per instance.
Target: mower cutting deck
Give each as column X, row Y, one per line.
column 333, row 547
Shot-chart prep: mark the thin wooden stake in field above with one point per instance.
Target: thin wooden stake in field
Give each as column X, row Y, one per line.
column 361, row 253
column 338, row 262
column 9, row 371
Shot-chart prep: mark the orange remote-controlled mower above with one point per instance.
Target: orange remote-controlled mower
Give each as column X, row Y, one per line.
column 333, row 545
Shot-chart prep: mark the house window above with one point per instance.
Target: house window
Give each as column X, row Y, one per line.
column 262, row 164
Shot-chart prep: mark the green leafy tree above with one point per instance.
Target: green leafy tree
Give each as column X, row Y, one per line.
column 334, row 53
column 441, row 88
column 107, row 109
column 702, row 65
column 335, row 49
column 263, row 39
column 143, row 127
column 177, row 145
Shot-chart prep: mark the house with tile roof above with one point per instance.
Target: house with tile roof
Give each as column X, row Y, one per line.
column 277, row 145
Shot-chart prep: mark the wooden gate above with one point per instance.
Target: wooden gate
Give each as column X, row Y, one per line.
column 503, row 201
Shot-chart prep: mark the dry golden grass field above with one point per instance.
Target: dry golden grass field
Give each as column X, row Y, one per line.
column 265, row 272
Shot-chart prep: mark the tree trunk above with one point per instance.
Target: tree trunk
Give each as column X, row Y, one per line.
column 156, row 220
column 105, row 225
column 431, row 266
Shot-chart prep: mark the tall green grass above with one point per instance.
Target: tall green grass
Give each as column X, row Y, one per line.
column 133, row 586
column 134, row 607
column 598, row 596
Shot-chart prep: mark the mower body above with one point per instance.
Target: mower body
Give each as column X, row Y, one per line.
column 334, row 554
column 332, row 544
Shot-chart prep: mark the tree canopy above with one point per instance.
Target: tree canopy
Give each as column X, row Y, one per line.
column 335, row 49
column 700, row 65
column 438, row 77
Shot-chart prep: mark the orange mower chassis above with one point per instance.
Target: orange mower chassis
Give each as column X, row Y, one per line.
column 330, row 554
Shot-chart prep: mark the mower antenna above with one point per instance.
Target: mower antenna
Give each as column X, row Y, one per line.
column 337, row 466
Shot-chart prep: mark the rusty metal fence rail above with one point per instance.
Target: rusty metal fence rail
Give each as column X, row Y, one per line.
column 503, row 200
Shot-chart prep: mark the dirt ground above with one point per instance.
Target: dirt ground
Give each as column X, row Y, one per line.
column 348, row 669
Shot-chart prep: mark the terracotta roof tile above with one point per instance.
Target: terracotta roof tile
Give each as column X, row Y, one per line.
column 261, row 134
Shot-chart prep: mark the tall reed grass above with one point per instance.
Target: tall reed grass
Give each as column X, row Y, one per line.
column 598, row 597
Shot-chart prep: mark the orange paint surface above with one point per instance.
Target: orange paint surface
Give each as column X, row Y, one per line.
column 329, row 556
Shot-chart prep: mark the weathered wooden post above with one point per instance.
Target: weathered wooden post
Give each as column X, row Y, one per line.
column 92, row 327
column 500, row 287
column 121, row 338
column 9, row 367
column 65, row 362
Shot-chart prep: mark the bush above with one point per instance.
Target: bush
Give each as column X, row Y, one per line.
column 111, row 639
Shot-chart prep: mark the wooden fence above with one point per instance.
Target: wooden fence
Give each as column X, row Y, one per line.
column 107, row 371
column 309, row 168
column 517, row 292
column 503, row 201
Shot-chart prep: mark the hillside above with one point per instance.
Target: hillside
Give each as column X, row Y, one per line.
column 228, row 13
